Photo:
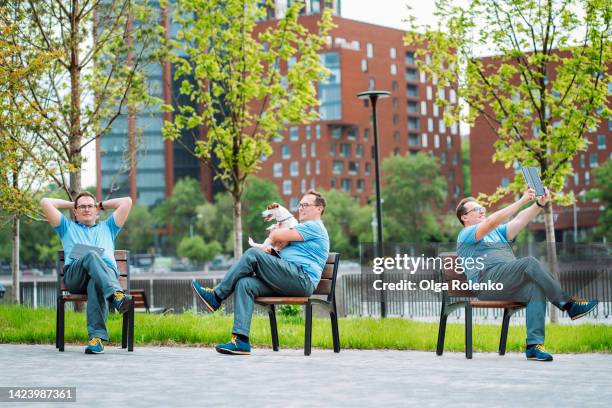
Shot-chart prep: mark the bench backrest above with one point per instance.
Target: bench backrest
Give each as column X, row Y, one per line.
column 139, row 297
column 123, row 266
column 449, row 275
column 327, row 284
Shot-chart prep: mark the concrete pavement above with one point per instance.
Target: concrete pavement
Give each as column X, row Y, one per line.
column 188, row 376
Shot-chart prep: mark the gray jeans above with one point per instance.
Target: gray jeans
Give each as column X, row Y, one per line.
column 92, row 276
column 526, row 280
column 258, row 273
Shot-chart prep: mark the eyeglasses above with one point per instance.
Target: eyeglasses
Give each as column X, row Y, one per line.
column 304, row 205
column 478, row 209
column 86, row 207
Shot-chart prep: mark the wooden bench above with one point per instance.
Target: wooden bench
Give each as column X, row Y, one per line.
column 141, row 303
column 63, row 296
column 326, row 287
column 454, row 299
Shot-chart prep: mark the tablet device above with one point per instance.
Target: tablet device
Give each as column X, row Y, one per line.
column 532, row 177
column 79, row 250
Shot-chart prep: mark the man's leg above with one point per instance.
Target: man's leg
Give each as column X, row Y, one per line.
column 247, row 289
column 97, row 312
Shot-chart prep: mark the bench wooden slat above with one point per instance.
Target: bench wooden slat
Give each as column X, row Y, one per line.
column 75, row 298
column 328, row 271
column 273, row 300
column 324, row 287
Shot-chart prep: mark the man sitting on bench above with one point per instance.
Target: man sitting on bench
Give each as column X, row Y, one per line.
column 91, row 273
column 524, row 280
column 296, row 273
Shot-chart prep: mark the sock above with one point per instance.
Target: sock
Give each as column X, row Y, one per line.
column 530, row 346
column 242, row 337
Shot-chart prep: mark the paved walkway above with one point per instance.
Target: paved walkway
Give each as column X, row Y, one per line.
column 189, row 377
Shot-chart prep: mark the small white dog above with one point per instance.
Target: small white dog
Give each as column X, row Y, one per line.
column 284, row 219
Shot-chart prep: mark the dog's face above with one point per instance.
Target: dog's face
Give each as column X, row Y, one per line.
column 275, row 211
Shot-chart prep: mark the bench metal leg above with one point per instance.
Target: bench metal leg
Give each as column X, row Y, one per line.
column 273, row 327
column 441, row 331
column 335, row 334
column 57, row 311
column 308, row 329
column 468, row 330
column 131, row 328
column 62, row 317
column 124, row 330
column 504, row 331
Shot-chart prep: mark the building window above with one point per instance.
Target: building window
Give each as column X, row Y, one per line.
column 347, row 185
column 429, row 93
column 360, row 185
column 413, row 123
column 587, row 178
column 313, row 152
column 332, row 149
column 364, row 65
column 423, row 77
column 303, row 150
column 411, row 74
column 371, row 84
column 413, row 107
column 430, row 125
column 302, row 186
column 412, row 91
column 601, row 142
column 351, row 134
column 285, row 152
column 293, row 133
column 410, row 58
column 396, row 119
column 441, row 93
column 353, row 168
column 308, row 133
column 436, row 110
column 396, row 151
column 370, row 50
column 453, row 96
column 436, row 141
column 424, row 138
column 345, row 150
column 286, row 187
column 593, row 160
column 457, row 191
column 312, row 184
column 395, row 103
column 392, row 53
column 449, row 141
column 393, row 69
column 582, row 160
column 423, row 108
column 307, row 168
column 318, row 131
column 443, row 158
column 330, row 98
column 455, row 158
column 394, row 86
column 454, row 128
column 294, row 169
column 576, row 179
column 396, row 136
column 278, row 169
column 359, row 151
column 338, row 167
column 366, row 169
column 413, row 139
column 317, row 167
column 366, row 134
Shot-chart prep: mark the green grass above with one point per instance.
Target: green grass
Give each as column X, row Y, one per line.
column 25, row 325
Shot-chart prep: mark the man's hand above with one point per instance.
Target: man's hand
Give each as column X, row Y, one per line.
column 51, row 207
column 545, row 198
column 528, row 195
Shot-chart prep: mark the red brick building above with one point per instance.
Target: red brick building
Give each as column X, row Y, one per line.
column 336, row 152
column 486, row 176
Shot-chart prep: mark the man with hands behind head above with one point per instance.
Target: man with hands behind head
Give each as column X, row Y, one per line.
column 524, row 280
column 91, row 273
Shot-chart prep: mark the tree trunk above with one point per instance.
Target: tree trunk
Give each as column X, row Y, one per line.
column 15, row 262
column 75, row 158
column 237, row 228
column 551, row 251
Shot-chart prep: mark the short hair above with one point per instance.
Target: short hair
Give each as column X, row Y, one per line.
column 83, row 194
column 319, row 200
column 461, row 208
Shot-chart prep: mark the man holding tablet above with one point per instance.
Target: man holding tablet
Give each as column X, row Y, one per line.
column 90, row 266
column 524, row 280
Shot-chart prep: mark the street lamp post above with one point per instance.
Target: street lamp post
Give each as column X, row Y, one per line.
column 373, row 97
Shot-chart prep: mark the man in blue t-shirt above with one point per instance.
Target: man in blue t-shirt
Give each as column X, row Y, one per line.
column 92, row 273
column 259, row 273
column 524, row 280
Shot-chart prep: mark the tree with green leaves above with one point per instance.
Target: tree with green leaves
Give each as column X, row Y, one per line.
column 244, row 83
column 197, row 251
column 99, row 50
column 541, row 93
column 414, row 195
column 603, row 192
column 258, row 193
column 214, row 221
column 139, row 234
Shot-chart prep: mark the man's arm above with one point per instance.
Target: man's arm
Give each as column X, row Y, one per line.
column 524, row 217
column 122, row 207
column 284, row 235
column 493, row 220
column 51, row 207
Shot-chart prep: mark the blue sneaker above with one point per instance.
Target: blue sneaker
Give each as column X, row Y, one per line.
column 121, row 302
column 581, row 307
column 538, row 352
column 235, row 347
column 95, row 346
column 207, row 295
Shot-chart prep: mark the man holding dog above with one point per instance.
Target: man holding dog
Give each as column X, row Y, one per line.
column 524, row 280
column 91, row 273
column 258, row 273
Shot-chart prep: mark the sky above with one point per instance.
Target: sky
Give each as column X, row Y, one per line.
column 388, row 13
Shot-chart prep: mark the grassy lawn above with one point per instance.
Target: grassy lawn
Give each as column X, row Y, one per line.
column 25, row 325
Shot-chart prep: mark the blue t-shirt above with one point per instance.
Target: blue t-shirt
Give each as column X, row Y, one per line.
column 101, row 235
column 493, row 249
column 311, row 254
